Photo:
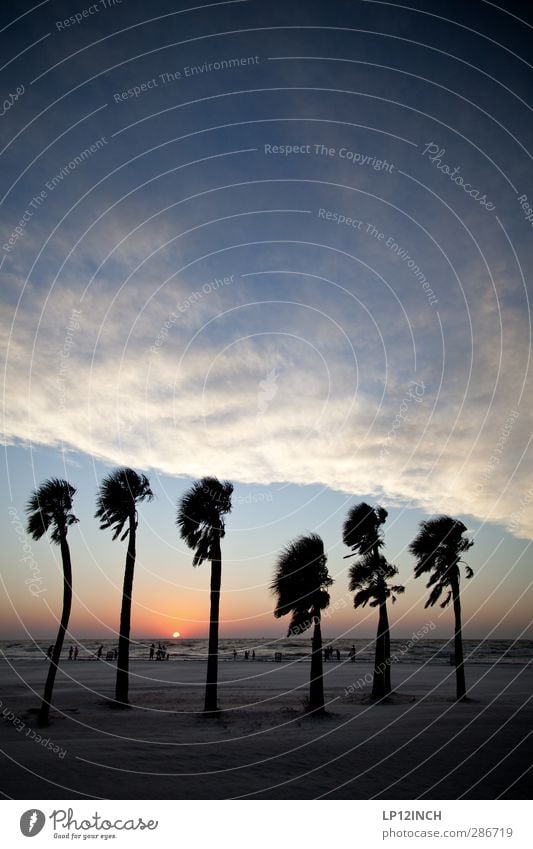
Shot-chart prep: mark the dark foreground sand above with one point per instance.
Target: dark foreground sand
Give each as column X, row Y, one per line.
column 263, row 746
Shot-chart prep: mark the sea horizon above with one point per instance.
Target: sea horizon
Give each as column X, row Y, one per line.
column 434, row 651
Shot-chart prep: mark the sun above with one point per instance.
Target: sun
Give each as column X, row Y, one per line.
column 176, row 634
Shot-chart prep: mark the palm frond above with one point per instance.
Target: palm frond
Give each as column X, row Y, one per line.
column 301, row 620
column 118, row 495
column 429, row 544
column 200, row 515
column 301, row 579
column 323, row 598
column 434, row 595
column 49, row 507
column 371, row 571
column 361, row 529
column 394, row 591
column 364, row 596
column 447, row 600
column 369, row 575
column 437, row 549
column 358, row 576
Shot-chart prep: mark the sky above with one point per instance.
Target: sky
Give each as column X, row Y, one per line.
column 286, row 244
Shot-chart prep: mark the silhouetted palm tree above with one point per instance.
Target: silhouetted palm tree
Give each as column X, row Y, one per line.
column 50, row 507
column 201, row 525
column 300, row 584
column 437, row 549
column 368, row 579
column 117, row 500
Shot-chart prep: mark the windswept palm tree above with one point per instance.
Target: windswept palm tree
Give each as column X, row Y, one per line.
column 201, row 524
column 368, row 579
column 437, row 549
column 49, row 507
column 117, row 500
column 300, row 583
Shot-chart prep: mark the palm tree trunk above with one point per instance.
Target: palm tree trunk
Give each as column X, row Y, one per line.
column 123, row 660
column 459, row 662
column 211, row 684
column 381, row 684
column 316, row 686
column 388, row 686
column 65, row 615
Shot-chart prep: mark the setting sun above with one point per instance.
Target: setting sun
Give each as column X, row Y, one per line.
column 176, row 634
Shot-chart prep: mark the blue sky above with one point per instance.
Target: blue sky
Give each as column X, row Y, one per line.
column 188, row 299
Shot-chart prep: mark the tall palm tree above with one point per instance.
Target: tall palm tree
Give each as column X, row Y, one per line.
column 300, row 583
column 201, row 524
column 437, row 549
column 368, row 578
column 49, row 507
column 116, row 503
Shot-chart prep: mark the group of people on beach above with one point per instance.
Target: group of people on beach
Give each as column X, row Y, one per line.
column 246, row 654
column 160, row 653
column 329, row 651
column 328, row 654
column 74, row 651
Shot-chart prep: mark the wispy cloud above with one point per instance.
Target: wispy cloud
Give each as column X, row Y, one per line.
column 189, row 406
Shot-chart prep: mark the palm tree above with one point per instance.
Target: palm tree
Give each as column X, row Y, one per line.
column 300, row 583
column 117, row 500
column 50, row 507
column 368, row 579
column 201, row 525
column 437, row 549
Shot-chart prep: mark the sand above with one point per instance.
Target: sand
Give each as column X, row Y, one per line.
column 422, row 745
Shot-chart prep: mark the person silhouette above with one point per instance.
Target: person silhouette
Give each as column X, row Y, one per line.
column 99, row 652
column 70, row 653
column 76, row 653
column 152, row 650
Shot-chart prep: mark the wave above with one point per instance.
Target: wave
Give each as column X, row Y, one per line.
column 518, row 652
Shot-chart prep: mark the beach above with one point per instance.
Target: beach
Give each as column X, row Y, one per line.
column 262, row 745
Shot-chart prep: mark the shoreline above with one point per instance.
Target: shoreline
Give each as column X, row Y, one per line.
column 286, row 660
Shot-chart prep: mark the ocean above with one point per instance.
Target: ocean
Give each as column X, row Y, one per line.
column 515, row 652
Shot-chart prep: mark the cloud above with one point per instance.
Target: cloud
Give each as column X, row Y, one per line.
column 274, row 392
